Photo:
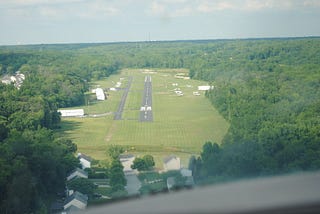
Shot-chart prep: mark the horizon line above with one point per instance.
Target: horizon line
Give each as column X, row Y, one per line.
column 160, row 41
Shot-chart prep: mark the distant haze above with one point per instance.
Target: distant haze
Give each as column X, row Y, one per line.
column 78, row 21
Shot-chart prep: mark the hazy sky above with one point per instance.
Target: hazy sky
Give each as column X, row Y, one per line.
column 73, row 21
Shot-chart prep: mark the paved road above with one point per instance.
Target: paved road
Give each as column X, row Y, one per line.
column 146, row 105
column 133, row 184
column 118, row 114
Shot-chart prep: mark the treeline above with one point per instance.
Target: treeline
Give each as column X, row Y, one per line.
column 33, row 161
column 61, row 76
column 269, row 92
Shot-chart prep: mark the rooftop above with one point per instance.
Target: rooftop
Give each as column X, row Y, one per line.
column 80, row 155
column 78, row 196
column 78, row 170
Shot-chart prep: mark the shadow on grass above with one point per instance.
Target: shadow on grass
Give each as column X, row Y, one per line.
column 156, row 148
column 66, row 126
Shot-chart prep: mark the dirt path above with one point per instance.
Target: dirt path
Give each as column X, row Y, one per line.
column 111, row 130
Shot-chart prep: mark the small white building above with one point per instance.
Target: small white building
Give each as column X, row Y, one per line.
column 17, row 79
column 205, row 87
column 126, row 161
column 76, row 200
column 13, row 79
column 77, row 173
column 20, row 76
column 171, row 163
column 85, row 160
column 100, row 94
column 6, row 80
column 71, row 112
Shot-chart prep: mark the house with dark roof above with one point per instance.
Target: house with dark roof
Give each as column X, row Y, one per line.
column 76, row 201
column 171, row 163
column 85, row 160
column 77, row 173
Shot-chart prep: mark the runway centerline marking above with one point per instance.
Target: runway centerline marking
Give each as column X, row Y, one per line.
column 146, row 106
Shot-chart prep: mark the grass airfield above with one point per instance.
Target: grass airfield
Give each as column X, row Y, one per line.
column 181, row 124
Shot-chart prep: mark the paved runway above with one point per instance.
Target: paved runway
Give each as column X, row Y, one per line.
column 146, row 105
column 118, row 114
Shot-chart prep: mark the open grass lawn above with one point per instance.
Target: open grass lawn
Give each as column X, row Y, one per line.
column 182, row 124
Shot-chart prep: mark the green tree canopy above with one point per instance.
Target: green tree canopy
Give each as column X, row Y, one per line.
column 82, row 185
column 114, row 151
column 144, row 163
column 116, row 175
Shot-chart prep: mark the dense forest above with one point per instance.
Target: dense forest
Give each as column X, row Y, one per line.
column 34, row 160
column 268, row 90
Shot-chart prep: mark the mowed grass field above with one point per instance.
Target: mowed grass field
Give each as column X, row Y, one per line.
column 181, row 124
